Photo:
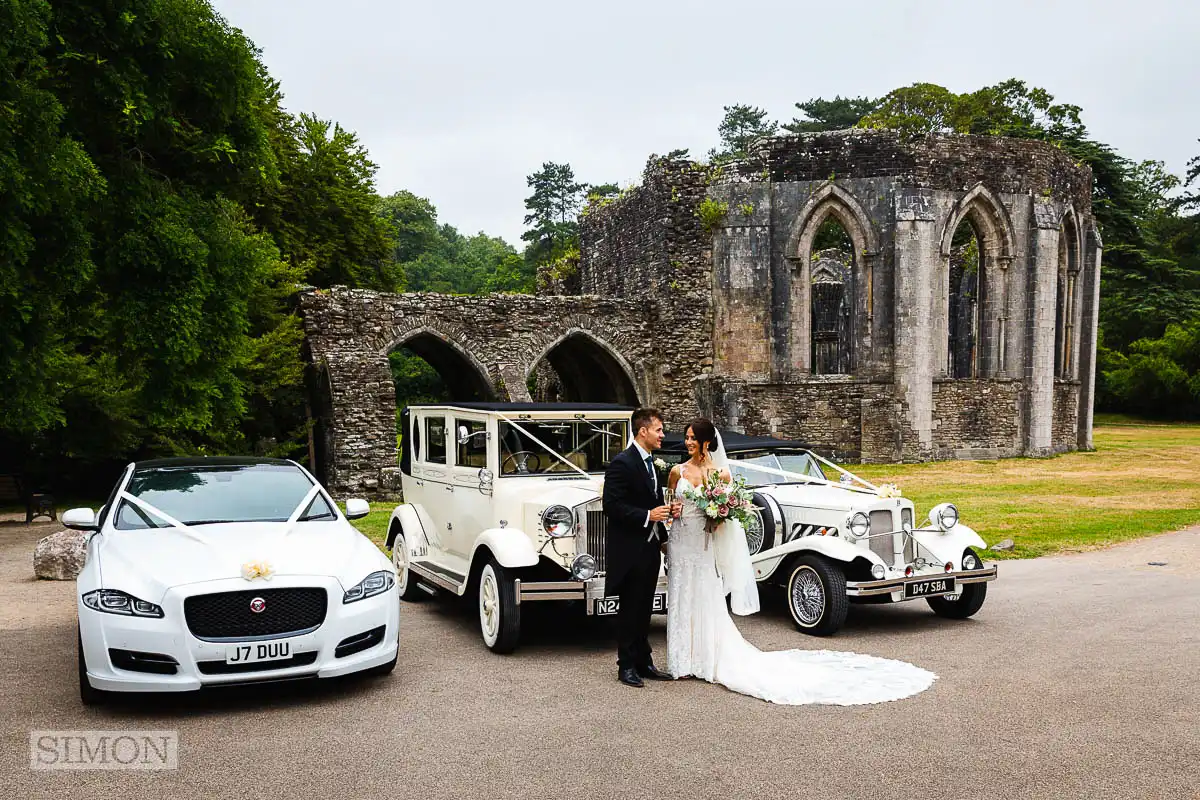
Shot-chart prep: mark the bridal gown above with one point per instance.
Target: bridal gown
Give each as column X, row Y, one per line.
column 702, row 640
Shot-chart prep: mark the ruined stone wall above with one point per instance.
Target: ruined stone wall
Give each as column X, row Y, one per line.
column 1066, row 415
column 977, row 418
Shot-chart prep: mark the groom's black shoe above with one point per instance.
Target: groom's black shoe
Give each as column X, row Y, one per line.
column 653, row 673
column 629, row 677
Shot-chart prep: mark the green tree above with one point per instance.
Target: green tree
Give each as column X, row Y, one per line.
column 553, row 207
column 738, row 129
column 839, row 113
column 47, row 181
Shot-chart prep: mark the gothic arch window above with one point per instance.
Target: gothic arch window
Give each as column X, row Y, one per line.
column 1065, row 297
column 581, row 368
column 832, row 247
column 977, row 245
column 965, row 303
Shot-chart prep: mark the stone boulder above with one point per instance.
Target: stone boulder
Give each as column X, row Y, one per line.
column 60, row 556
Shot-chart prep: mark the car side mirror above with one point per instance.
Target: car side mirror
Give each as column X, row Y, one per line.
column 80, row 519
column 463, row 434
column 356, row 508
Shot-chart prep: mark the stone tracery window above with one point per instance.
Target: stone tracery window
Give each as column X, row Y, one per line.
column 832, row 303
column 965, row 306
column 1064, row 304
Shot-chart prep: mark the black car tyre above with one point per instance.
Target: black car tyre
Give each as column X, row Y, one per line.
column 816, row 595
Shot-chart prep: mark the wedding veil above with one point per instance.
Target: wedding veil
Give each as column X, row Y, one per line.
column 732, row 554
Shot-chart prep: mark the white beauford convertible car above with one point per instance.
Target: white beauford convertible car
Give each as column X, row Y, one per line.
column 214, row 571
column 832, row 543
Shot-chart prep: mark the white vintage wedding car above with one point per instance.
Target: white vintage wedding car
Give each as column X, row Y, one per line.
column 214, row 571
column 503, row 503
column 832, row 543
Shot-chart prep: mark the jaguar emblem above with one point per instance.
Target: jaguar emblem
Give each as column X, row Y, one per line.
column 258, row 605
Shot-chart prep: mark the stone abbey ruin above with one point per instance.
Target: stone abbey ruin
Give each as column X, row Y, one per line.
column 703, row 291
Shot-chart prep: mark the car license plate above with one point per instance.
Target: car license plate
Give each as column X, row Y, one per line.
column 257, row 651
column 607, row 606
column 929, row 587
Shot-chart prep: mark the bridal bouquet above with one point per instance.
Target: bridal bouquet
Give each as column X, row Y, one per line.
column 722, row 500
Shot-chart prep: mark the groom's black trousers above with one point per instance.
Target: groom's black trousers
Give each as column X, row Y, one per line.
column 636, row 591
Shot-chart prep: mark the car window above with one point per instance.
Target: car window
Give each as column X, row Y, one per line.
column 227, row 493
column 589, row 445
column 472, row 452
column 797, row 463
column 435, row 440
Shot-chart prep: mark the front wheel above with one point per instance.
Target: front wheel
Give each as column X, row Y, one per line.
column 88, row 695
column 499, row 614
column 963, row 605
column 816, row 594
column 400, row 560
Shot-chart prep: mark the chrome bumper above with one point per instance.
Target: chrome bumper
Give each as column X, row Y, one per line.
column 570, row 590
column 889, row 585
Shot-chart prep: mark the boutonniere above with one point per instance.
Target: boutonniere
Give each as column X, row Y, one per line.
column 257, row 569
column 889, row 490
column 660, row 465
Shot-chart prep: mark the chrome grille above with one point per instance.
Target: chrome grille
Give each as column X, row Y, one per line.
column 595, row 532
column 881, row 522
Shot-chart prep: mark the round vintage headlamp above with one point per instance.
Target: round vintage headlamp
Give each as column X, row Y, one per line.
column 970, row 561
column 877, row 571
column 558, row 521
column 583, row 568
column 944, row 516
column 858, row 524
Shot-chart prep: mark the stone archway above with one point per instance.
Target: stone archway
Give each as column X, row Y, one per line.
column 465, row 378
column 588, row 370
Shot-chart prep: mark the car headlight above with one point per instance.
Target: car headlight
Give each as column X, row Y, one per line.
column 858, row 525
column 970, row 561
column 558, row 521
column 877, row 571
column 944, row 516
column 373, row 584
column 583, row 568
column 110, row 601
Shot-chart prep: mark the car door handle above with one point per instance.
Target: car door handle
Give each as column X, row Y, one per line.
column 449, row 488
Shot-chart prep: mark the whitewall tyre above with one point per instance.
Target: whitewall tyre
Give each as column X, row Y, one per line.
column 499, row 614
column 405, row 585
column 816, row 595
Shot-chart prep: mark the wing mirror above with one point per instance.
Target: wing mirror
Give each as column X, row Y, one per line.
column 465, row 435
column 356, row 508
column 80, row 519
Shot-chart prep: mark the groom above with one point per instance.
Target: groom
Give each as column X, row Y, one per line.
column 633, row 505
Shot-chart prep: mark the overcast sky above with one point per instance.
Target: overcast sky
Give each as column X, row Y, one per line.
column 460, row 101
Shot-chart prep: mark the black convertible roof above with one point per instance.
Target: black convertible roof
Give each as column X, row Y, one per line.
column 736, row 443
column 524, row 407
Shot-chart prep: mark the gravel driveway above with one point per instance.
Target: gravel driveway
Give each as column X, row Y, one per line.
column 1079, row 678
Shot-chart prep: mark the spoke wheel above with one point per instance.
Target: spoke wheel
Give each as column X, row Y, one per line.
column 407, row 587
column 816, row 594
column 499, row 614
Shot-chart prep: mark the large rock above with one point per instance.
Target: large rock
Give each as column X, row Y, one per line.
column 60, row 556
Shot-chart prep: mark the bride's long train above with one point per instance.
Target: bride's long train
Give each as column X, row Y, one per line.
column 703, row 641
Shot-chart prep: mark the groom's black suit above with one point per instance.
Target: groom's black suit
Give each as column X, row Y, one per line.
column 632, row 552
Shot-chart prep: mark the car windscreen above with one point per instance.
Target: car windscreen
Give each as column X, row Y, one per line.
column 590, row 445
column 797, row 463
column 197, row 495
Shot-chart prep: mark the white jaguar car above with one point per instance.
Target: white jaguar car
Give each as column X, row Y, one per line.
column 213, row 571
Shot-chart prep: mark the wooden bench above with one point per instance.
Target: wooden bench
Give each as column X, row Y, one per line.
column 38, row 504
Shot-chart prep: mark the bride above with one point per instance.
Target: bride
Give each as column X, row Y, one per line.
column 702, row 640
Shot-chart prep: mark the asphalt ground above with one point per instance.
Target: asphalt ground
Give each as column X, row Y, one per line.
column 1079, row 678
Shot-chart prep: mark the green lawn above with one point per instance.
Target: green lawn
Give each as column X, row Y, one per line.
column 1143, row 478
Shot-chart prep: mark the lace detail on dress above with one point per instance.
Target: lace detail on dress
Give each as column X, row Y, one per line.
column 703, row 641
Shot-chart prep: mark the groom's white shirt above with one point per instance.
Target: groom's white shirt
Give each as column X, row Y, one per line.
column 643, row 454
